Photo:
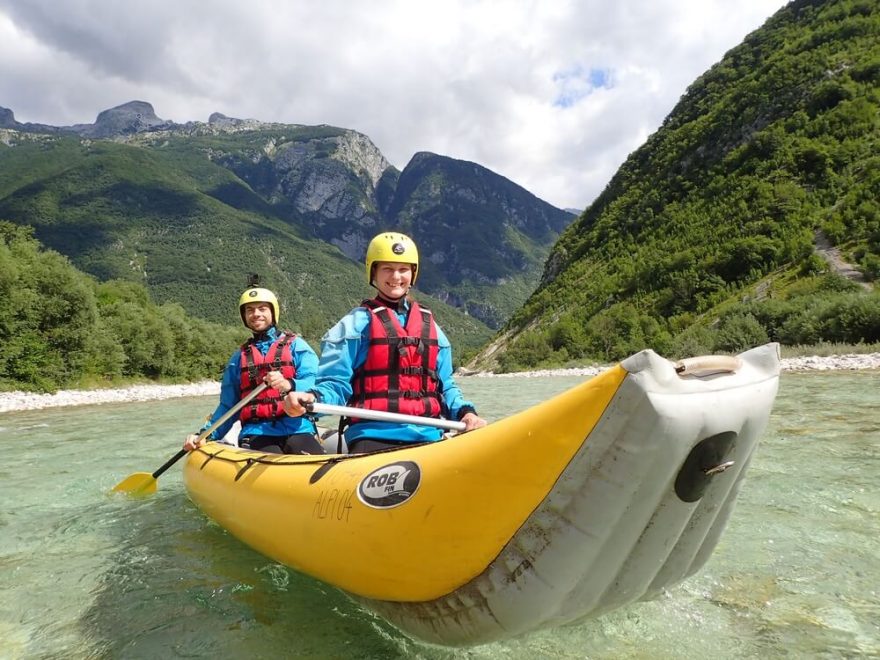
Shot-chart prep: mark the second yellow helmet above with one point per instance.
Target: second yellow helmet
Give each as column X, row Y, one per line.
column 392, row 246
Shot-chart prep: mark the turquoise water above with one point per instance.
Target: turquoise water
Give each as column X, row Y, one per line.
column 85, row 575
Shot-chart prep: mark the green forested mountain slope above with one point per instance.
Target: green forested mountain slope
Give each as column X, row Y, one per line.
column 714, row 217
column 61, row 328
column 184, row 226
column 132, row 192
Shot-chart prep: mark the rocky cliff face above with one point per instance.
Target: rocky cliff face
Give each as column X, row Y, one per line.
column 482, row 238
column 328, row 177
column 132, row 117
column 481, row 233
column 7, row 118
column 126, row 119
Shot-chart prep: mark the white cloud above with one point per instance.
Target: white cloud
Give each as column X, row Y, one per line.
column 552, row 94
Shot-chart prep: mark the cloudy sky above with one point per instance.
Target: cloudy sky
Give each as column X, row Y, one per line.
column 553, row 94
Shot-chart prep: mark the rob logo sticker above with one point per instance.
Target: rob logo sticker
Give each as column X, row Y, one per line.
column 390, row 485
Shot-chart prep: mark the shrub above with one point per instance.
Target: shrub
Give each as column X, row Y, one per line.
column 813, row 265
column 529, row 350
column 739, row 332
column 615, row 333
column 854, row 319
column 568, row 334
column 692, row 342
column 870, row 266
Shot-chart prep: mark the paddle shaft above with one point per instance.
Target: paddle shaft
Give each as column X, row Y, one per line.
column 204, row 434
column 382, row 416
column 169, row 463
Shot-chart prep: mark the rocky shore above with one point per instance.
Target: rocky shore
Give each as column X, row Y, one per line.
column 850, row 362
column 12, row 401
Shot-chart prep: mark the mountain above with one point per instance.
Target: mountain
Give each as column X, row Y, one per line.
column 483, row 238
column 8, row 121
column 710, row 227
column 483, row 235
column 131, row 117
column 157, row 216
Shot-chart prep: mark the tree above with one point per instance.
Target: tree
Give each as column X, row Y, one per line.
column 738, row 332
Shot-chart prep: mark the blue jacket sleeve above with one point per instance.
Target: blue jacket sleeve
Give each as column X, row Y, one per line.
column 306, row 362
column 230, row 394
column 343, row 349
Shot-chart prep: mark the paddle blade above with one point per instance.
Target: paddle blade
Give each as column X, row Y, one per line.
column 139, row 483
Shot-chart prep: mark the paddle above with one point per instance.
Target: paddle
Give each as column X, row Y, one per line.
column 144, row 483
column 382, row 416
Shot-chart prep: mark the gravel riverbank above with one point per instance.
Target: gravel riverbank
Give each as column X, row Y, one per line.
column 12, row 401
column 849, row 362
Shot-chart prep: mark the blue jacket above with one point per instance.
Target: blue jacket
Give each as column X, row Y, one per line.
column 306, row 363
column 344, row 350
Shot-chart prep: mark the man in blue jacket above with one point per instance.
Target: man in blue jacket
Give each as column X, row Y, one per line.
column 284, row 362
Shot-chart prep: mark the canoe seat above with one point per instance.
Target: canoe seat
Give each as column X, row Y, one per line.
column 332, row 442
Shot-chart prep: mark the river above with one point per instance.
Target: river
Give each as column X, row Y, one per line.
column 87, row 575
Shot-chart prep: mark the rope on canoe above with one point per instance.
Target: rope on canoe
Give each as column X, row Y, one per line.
column 289, row 459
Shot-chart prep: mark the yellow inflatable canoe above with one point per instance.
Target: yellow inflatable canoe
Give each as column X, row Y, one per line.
column 601, row 496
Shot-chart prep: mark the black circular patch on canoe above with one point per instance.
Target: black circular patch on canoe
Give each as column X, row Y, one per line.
column 390, row 485
column 698, row 470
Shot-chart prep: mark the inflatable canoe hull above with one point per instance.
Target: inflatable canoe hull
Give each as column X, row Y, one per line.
column 605, row 494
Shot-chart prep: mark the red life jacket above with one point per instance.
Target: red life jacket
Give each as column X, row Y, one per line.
column 254, row 366
column 400, row 372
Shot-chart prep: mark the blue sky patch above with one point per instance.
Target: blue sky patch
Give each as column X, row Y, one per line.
column 578, row 82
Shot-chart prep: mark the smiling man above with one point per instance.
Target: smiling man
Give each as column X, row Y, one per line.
column 388, row 354
column 278, row 358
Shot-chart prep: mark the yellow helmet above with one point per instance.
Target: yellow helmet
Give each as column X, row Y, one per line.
column 256, row 294
column 391, row 246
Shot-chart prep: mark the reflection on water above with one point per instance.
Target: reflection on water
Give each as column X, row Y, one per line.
column 88, row 575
